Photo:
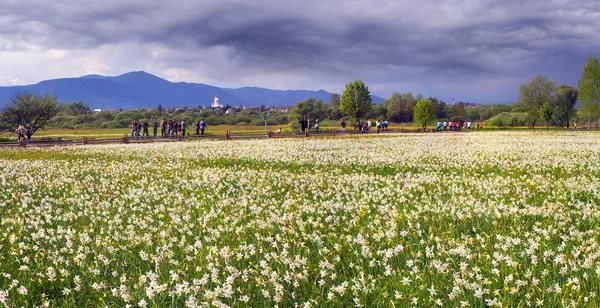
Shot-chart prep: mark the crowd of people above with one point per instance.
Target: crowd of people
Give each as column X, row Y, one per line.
column 458, row 125
column 24, row 131
column 168, row 128
column 306, row 124
column 365, row 127
column 173, row 128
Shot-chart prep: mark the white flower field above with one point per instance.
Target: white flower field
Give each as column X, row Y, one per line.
column 474, row 219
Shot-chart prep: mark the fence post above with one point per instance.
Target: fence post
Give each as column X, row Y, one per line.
column 125, row 139
column 402, row 129
column 418, row 130
column 306, row 132
column 334, row 132
column 270, row 134
column 22, row 142
column 84, row 140
column 179, row 137
column 378, row 130
column 227, row 135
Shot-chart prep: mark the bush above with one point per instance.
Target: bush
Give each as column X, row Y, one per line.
column 241, row 123
column 517, row 119
column 507, row 119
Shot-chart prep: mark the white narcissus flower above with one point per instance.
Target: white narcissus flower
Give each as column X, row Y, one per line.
column 22, row 290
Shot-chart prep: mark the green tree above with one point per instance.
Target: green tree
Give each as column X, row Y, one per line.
column 546, row 113
column 76, row 109
column 473, row 113
column 563, row 105
column 533, row 95
column 589, row 90
column 377, row 112
column 441, row 109
column 424, row 112
column 458, row 112
column 314, row 109
column 334, row 107
column 356, row 100
column 490, row 111
column 30, row 108
column 159, row 108
column 400, row 107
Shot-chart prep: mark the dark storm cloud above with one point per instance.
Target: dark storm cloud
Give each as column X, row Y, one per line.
column 396, row 41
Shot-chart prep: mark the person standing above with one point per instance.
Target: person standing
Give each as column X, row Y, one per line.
column 202, row 126
column 317, row 125
column 20, row 132
column 183, row 127
column 154, row 127
column 145, row 126
column 28, row 131
column 343, row 125
column 197, row 127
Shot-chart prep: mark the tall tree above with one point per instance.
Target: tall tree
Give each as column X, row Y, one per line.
column 400, row 107
column 441, row 109
column 458, row 112
column 533, row 95
column 30, row 108
column 424, row 112
column 334, row 107
column 563, row 105
column 589, row 90
column 159, row 108
column 546, row 113
column 313, row 109
column 356, row 100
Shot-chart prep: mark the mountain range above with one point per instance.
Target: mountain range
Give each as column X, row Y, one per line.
column 144, row 90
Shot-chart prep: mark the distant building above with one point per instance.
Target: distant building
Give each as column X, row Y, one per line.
column 97, row 110
column 216, row 103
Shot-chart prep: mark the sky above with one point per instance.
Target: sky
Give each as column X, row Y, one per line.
column 476, row 51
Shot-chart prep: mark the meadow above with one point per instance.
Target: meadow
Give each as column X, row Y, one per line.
column 479, row 219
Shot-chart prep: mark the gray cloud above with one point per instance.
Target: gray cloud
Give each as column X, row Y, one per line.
column 480, row 50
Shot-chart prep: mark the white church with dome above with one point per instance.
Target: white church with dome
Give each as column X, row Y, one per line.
column 216, row 103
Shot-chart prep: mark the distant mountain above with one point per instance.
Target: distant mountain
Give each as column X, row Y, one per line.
column 143, row 90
